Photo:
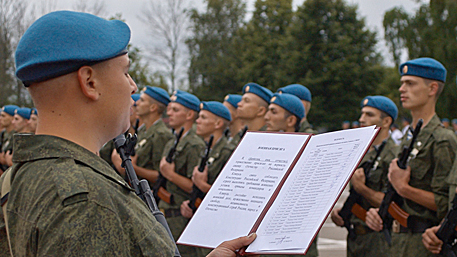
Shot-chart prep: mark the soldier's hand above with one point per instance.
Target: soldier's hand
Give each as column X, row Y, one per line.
column 373, row 219
column 231, row 248
column 117, row 161
column 358, row 179
column 167, row 169
column 399, row 178
column 431, row 241
column 336, row 218
column 9, row 158
column 199, row 177
column 186, row 211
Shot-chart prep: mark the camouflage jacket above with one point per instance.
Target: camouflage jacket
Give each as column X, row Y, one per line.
column 219, row 155
column 305, row 127
column 377, row 176
column 187, row 156
column 430, row 167
column 150, row 145
column 66, row 201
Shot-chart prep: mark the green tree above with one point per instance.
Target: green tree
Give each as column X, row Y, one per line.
column 431, row 32
column 264, row 43
column 333, row 54
column 140, row 72
column 215, row 48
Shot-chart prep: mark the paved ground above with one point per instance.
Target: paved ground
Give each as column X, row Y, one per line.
column 332, row 239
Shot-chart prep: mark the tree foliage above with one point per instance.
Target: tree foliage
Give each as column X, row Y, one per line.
column 215, row 48
column 323, row 45
column 430, row 32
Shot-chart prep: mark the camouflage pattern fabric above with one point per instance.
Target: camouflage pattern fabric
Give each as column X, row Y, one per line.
column 430, row 169
column 187, row 156
column 150, row 145
column 305, row 127
column 66, row 201
column 363, row 245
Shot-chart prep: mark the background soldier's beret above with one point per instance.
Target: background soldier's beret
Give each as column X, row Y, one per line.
column 34, row 111
column 158, row 94
column 355, row 123
column 425, row 68
column 135, row 98
column 381, row 103
column 9, row 109
column 24, row 112
column 233, row 99
column 61, row 42
column 186, row 99
column 297, row 90
column 454, row 121
column 216, row 108
column 444, row 120
column 290, row 103
column 257, row 89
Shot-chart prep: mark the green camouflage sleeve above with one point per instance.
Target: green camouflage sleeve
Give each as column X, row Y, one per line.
column 85, row 228
column 444, row 156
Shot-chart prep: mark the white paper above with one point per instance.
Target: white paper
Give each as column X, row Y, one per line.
column 254, row 172
column 311, row 189
column 243, row 188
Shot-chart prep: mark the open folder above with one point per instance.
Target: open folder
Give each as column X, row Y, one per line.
column 281, row 186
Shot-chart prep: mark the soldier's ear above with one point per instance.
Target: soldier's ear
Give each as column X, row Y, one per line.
column 88, row 82
column 433, row 88
column 219, row 123
column 291, row 120
column 262, row 111
column 387, row 122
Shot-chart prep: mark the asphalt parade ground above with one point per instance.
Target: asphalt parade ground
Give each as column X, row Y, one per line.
column 331, row 241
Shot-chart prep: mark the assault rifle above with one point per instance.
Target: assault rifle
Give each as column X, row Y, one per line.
column 124, row 147
column 353, row 202
column 390, row 207
column 197, row 195
column 159, row 188
column 447, row 231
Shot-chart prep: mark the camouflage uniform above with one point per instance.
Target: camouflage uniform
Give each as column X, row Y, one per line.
column 106, row 151
column 429, row 170
column 368, row 242
column 187, row 156
column 7, row 143
column 65, row 200
column 235, row 139
column 219, row 155
column 150, row 145
column 305, row 127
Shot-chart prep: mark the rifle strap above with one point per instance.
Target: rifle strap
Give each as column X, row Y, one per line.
column 6, row 186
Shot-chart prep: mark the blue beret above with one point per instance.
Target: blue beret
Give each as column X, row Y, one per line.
column 355, row 123
column 34, row 111
column 454, row 121
column 61, row 42
column 290, row 103
column 10, row 109
column 186, row 99
column 297, row 90
column 158, row 94
column 24, row 112
column 233, row 100
column 257, row 89
column 381, row 103
column 444, row 120
column 216, row 108
column 135, row 98
column 425, row 68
